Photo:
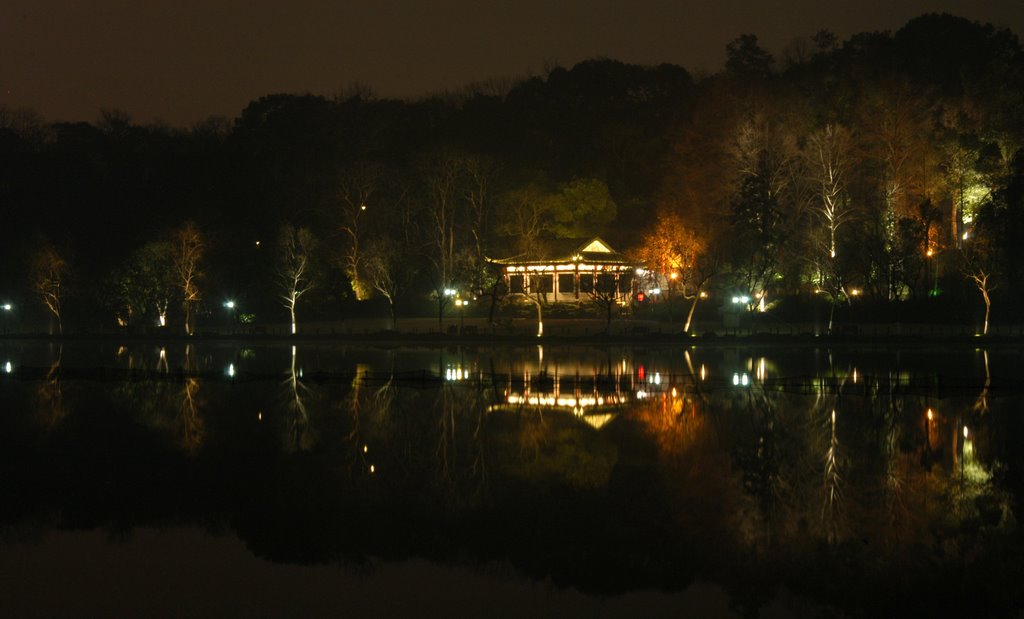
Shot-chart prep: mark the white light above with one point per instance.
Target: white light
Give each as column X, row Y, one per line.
column 965, row 235
column 231, row 369
column 655, row 291
column 744, row 299
column 735, row 379
column 449, row 292
column 7, row 307
column 229, row 304
column 735, row 299
column 8, row 368
column 745, row 380
column 641, row 271
column 657, row 378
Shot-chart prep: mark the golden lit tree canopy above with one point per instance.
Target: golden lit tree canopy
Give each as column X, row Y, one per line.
column 670, row 247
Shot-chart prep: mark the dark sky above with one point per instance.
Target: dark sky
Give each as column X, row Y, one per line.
column 183, row 60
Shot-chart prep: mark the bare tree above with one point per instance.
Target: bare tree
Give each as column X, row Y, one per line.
column 828, row 164
column 479, row 173
column 765, row 149
column 294, row 273
column 49, row 269
column 387, row 271
column 607, row 296
column 980, row 270
column 898, row 127
column 525, row 217
column 188, row 252
column 358, row 184
column 442, row 177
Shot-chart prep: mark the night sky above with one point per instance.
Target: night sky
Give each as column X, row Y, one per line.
column 180, row 61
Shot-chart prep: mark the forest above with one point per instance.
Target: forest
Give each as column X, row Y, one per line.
column 885, row 171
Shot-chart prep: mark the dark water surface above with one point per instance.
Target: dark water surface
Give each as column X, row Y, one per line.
column 565, row 480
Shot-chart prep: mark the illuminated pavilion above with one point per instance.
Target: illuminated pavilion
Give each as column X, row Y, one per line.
column 574, row 272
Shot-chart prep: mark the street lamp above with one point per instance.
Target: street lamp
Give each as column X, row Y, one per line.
column 461, row 304
column 230, row 306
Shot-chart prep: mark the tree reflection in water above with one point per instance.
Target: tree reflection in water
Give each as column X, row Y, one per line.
column 297, row 396
column 190, row 424
column 600, row 474
column 50, row 392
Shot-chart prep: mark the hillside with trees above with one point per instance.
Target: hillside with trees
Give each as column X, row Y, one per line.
column 885, row 169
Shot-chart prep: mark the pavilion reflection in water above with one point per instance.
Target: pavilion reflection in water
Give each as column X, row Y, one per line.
column 593, row 392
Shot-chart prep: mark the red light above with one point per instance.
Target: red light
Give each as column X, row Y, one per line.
column 640, row 372
column 640, row 297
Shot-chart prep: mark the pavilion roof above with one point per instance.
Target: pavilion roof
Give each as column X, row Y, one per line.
column 565, row 251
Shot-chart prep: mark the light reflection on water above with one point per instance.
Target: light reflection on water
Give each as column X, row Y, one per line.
column 780, row 466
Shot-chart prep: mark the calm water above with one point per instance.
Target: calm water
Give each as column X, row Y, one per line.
column 716, row 480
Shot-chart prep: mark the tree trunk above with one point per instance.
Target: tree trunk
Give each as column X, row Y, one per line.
column 988, row 308
column 494, row 303
column 689, row 317
column 292, row 310
column 540, row 321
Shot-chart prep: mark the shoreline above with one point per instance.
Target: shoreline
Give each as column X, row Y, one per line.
column 659, row 339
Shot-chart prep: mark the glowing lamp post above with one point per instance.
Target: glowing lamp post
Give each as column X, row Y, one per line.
column 230, row 306
column 461, row 304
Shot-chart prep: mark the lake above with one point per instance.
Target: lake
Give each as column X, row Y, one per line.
column 261, row 478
